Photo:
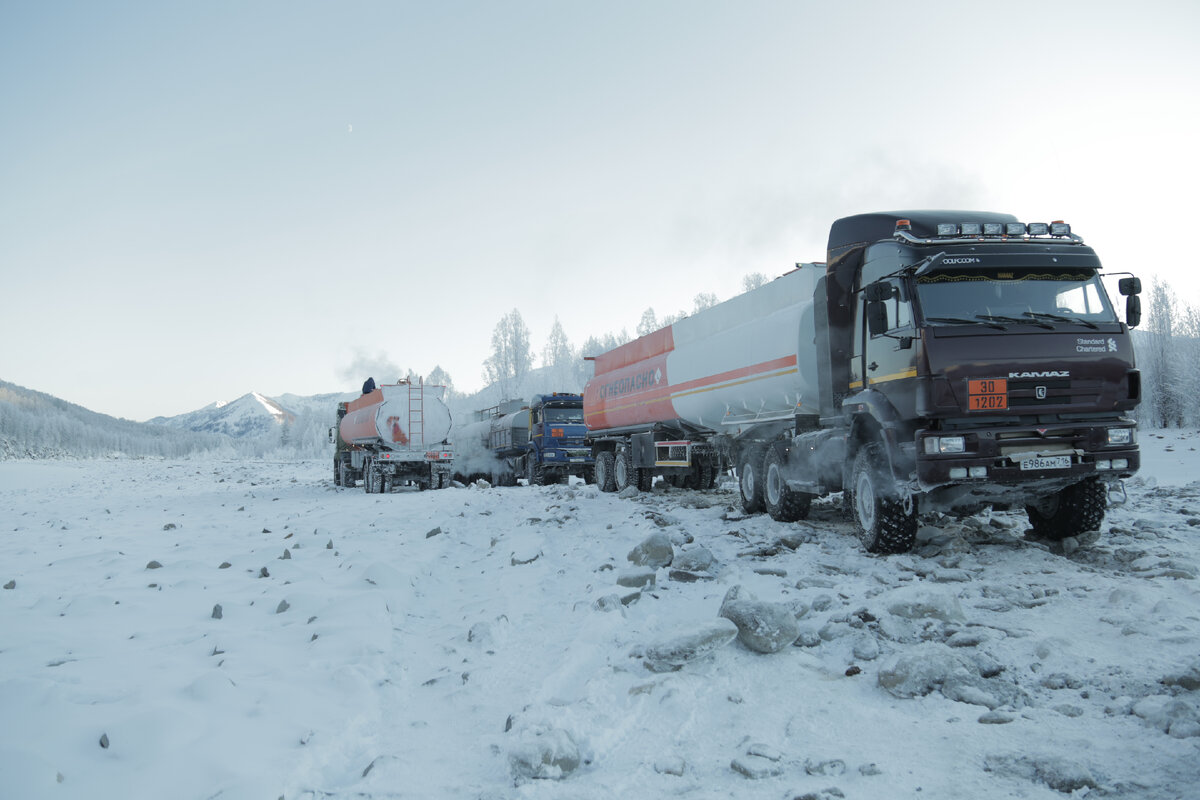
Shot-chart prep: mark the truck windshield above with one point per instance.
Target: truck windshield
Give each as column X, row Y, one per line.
column 564, row 415
column 1046, row 297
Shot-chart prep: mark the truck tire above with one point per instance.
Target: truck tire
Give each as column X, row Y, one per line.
column 337, row 473
column 750, row 480
column 589, row 475
column 605, row 467
column 883, row 523
column 533, row 473
column 645, row 479
column 624, row 473
column 783, row 503
column 372, row 478
column 1070, row 512
column 347, row 475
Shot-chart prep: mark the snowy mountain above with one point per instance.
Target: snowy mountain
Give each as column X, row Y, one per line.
column 37, row 425
column 251, row 414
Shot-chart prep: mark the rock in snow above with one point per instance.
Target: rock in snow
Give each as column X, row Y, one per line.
column 654, row 551
column 762, row 627
column 545, row 753
column 674, row 653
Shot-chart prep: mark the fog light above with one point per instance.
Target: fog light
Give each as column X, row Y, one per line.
column 958, row 473
column 1038, row 229
column 947, row 229
column 1120, row 435
column 993, row 229
column 1103, row 463
column 1120, row 463
column 972, row 229
column 1014, row 229
column 978, row 472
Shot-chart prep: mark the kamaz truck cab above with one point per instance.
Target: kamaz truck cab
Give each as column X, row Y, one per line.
column 557, row 439
column 975, row 360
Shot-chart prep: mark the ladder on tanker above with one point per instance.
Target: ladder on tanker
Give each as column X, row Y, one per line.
column 416, row 414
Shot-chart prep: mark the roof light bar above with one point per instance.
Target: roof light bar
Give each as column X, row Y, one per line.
column 981, row 231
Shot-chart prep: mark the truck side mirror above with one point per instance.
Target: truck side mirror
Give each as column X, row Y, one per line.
column 877, row 319
column 1130, row 286
column 879, row 291
column 1133, row 310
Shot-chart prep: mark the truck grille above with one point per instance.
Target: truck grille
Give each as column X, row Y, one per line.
column 1034, row 392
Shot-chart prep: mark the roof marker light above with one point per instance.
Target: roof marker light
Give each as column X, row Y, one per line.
column 903, row 225
column 1038, row 229
column 947, row 229
column 1014, row 229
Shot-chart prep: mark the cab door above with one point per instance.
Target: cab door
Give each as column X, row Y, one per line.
column 889, row 363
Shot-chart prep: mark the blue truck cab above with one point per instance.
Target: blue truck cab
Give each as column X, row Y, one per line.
column 557, row 440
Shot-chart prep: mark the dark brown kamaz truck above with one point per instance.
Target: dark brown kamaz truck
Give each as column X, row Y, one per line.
column 972, row 360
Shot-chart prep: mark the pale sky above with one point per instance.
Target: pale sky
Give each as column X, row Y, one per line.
column 198, row 200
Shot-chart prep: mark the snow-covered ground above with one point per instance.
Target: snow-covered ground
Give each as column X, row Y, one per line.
column 202, row 629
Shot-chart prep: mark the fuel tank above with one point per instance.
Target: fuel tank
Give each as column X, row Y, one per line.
column 510, row 432
column 727, row 368
column 397, row 417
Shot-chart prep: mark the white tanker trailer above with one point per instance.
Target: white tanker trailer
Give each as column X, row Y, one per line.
column 937, row 361
column 394, row 435
column 671, row 402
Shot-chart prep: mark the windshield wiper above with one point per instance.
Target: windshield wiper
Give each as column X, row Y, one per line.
column 1059, row 318
column 979, row 320
column 1002, row 318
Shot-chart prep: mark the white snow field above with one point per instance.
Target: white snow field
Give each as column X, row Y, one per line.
column 211, row 629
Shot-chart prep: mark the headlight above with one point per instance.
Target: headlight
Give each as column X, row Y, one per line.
column 1120, row 435
column 945, row 444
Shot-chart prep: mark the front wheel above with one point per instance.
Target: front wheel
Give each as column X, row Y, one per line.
column 605, row 467
column 533, row 473
column 886, row 522
column 783, row 503
column 1070, row 512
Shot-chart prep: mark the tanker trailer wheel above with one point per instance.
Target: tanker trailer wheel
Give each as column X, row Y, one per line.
column 369, row 478
column 605, row 467
column 783, row 503
column 1070, row 512
column 624, row 472
column 337, row 473
column 750, row 480
column 884, row 523
column 347, row 474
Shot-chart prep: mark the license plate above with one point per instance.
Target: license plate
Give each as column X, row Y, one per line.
column 577, row 460
column 1046, row 462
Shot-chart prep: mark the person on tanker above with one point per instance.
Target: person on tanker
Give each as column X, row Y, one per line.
column 369, row 386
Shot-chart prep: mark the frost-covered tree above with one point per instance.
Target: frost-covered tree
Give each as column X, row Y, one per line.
column 439, row 377
column 511, row 357
column 753, row 281
column 1165, row 395
column 704, row 300
column 558, row 350
column 649, row 323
